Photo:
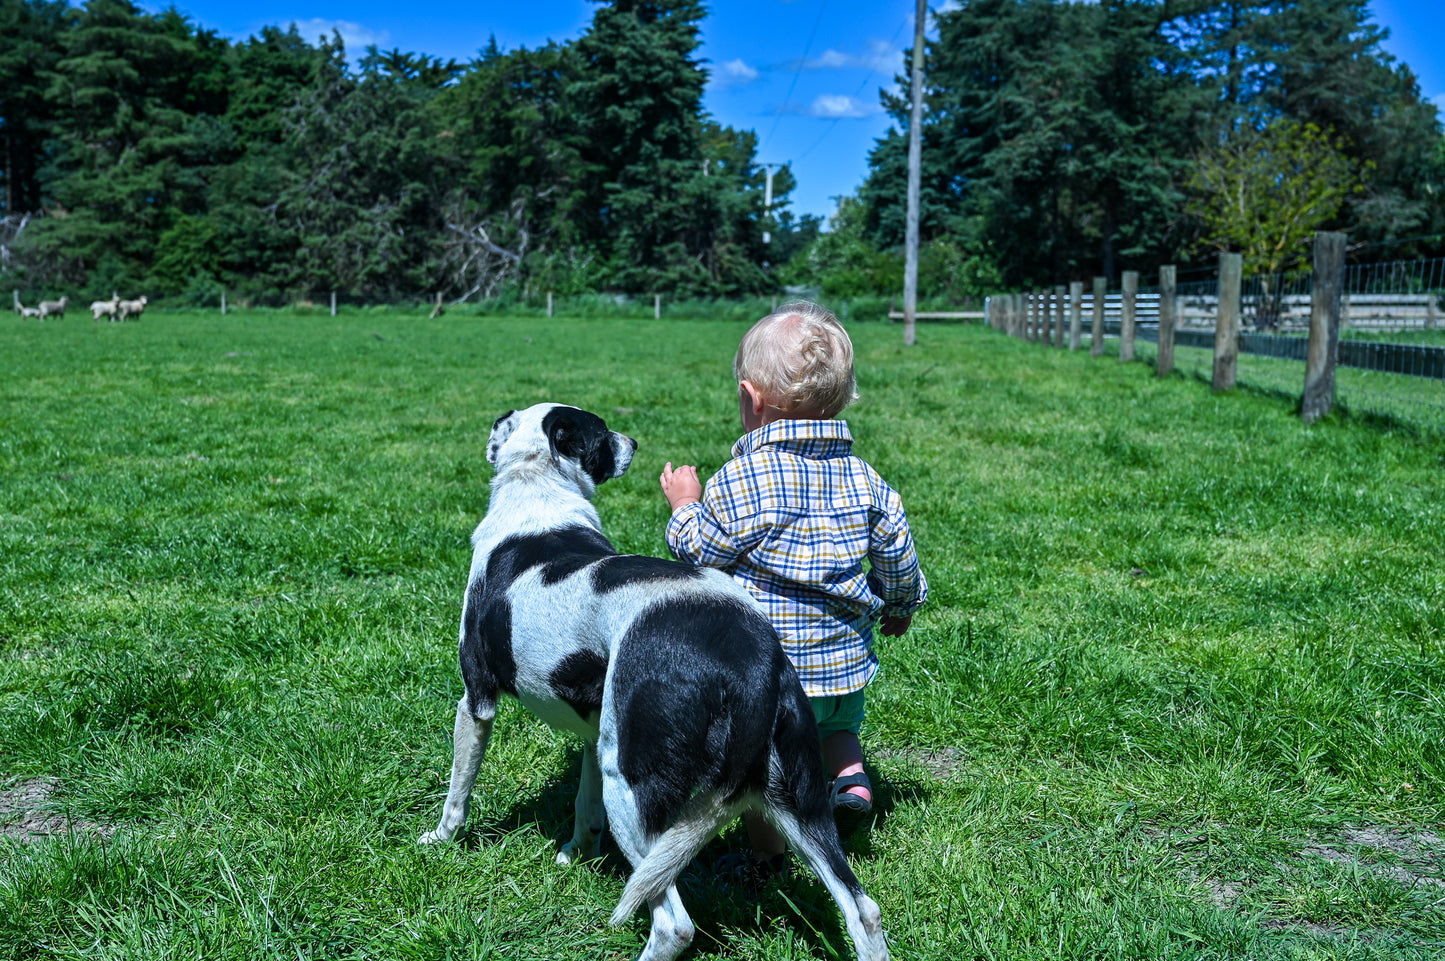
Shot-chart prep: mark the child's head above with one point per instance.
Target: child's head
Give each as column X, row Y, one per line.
column 799, row 362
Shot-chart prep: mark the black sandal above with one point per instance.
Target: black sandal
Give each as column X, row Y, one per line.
column 851, row 810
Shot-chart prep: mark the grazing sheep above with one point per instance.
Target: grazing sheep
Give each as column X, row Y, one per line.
column 29, row 312
column 56, row 307
column 105, row 308
column 129, row 307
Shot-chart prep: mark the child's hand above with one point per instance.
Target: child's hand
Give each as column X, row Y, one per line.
column 680, row 486
column 894, row 626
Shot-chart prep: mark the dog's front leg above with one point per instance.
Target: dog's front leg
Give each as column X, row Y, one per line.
column 586, row 840
column 469, row 745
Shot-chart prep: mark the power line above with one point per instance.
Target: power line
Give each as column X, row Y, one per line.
column 796, row 73
column 871, row 72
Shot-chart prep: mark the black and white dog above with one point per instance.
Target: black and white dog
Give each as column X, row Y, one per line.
column 688, row 709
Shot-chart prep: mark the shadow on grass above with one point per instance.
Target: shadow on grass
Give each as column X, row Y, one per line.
column 799, row 902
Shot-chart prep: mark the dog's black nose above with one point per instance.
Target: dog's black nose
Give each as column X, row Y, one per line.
column 633, row 442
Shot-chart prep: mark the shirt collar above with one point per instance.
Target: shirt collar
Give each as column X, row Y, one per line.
column 818, row 439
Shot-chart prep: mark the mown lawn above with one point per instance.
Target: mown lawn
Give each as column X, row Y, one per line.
column 1178, row 692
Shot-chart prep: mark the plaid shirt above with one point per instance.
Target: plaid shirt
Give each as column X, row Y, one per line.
column 792, row 517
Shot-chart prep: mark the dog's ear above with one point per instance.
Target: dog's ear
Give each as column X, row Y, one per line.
column 502, row 428
column 584, row 437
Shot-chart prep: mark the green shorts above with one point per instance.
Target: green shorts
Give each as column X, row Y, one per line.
column 839, row 713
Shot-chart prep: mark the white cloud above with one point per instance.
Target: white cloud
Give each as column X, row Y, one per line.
column 1439, row 101
column 880, row 57
column 833, row 106
column 733, row 73
column 356, row 37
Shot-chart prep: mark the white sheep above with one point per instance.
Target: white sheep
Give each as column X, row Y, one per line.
column 29, row 312
column 56, row 307
column 105, row 308
column 129, row 307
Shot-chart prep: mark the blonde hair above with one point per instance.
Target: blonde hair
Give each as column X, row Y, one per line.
column 799, row 358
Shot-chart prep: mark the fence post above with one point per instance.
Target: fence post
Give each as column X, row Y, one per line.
column 223, row 303
column 1167, row 289
column 1126, row 316
column 656, row 306
column 1226, row 324
column 1326, row 301
column 333, row 303
column 1101, row 291
column 549, row 303
column 1076, row 313
column 1059, row 293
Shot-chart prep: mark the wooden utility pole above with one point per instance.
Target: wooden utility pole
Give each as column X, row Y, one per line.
column 915, row 177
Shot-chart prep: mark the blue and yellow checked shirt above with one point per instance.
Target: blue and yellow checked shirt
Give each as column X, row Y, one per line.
column 792, row 517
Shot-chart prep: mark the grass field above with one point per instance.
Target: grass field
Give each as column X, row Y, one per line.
column 1178, row 692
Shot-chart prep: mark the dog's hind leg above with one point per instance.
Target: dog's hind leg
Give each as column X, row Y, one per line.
column 587, row 832
column 816, row 841
column 469, row 745
column 672, row 929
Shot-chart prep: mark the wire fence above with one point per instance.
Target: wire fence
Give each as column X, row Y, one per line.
column 1389, row 359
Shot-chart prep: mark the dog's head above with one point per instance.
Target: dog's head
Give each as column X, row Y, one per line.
column 575, row 442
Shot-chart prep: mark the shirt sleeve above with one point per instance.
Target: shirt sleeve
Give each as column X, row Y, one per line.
column 895, row 576
column 699, row 534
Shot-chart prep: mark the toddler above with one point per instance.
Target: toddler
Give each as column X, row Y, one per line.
column 792, row 517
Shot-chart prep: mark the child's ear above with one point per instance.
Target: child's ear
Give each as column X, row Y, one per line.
column 754, row 396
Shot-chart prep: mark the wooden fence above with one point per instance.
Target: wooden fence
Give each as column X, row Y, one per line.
column 1217, row 317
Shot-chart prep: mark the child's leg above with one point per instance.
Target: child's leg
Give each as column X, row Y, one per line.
column 765, row 839
column 843, row 754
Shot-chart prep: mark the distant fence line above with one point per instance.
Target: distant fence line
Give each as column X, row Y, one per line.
column 1371, row 336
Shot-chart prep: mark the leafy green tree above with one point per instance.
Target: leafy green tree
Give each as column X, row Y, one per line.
column 29, row 48
column 1263, row 193
column 653, row 201
column 1049, row 137
column 134, row 96
column 843, row 262
column 364, row 184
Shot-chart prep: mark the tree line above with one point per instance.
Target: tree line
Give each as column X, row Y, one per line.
column 1063, row 140
column 141, row 151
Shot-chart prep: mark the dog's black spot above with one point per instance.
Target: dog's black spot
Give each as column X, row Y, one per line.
column 486, row 647
column 578, row 680
column 560, row 553
column 583, row 436
column 626, row 569
column 494, row 443
column 488, row 665
column 695, row 690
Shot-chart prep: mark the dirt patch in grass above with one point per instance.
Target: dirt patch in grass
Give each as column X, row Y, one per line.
column 940, row 762
column 1410, row 856
column 1418, row 854
column 27, row 812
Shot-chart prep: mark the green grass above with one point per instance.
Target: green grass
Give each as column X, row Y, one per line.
column 1177, row 692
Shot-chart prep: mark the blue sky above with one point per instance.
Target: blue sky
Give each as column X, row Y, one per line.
column 804, row 74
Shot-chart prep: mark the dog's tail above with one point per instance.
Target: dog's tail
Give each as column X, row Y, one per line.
column 669, row 855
